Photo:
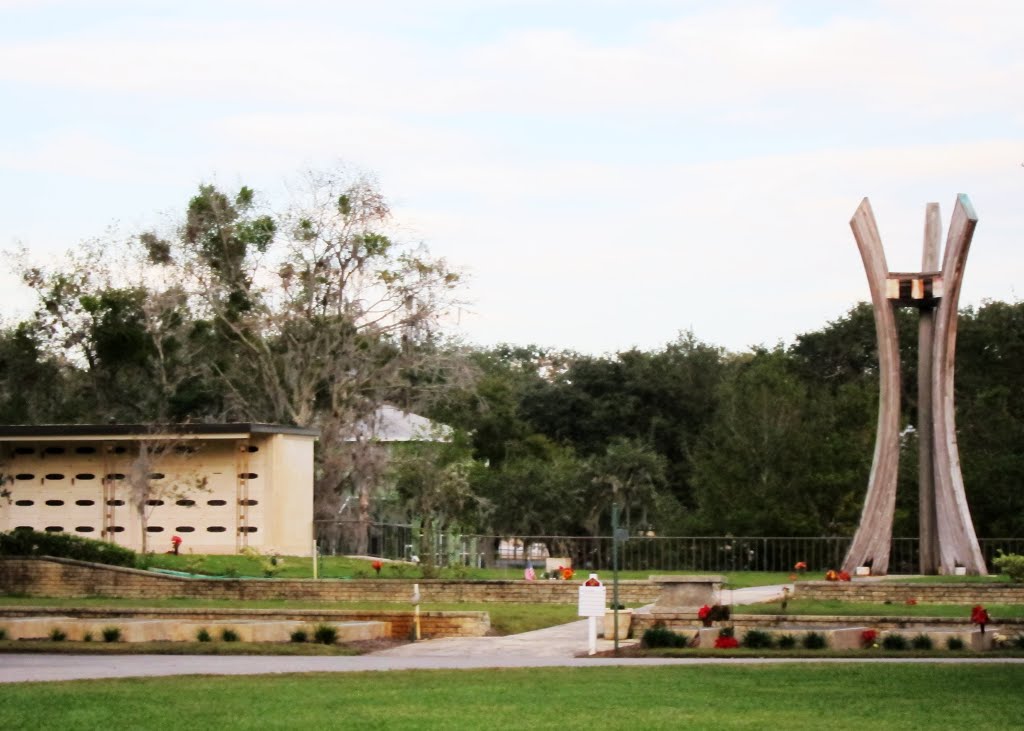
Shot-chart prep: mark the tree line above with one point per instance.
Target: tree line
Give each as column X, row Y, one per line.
column 317, row 314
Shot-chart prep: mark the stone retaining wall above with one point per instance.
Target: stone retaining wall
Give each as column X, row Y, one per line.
column 879, row 592
column 61, row 577
column 687, row 622
column 432, row 624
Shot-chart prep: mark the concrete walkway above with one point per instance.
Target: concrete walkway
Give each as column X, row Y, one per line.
column 563, row 641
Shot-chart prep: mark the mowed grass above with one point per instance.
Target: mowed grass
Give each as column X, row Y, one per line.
column 790, row 697
column 344, row 567
column 901, row 609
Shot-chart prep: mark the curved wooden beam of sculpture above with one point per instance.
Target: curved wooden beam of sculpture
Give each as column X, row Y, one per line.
column 928, row 550
column 872, row 540
column 958, row 543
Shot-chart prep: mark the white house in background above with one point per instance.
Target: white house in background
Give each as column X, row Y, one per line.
column 391, row 424
column 257, row 485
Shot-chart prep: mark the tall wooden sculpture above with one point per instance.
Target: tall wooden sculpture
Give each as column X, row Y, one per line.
column 947, row 537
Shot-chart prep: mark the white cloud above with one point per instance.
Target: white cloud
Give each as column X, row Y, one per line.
column 605, row 182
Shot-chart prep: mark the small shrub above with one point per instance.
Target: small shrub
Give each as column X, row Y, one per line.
column 815, row 641
column 894, row 641
column 300, row 635
column 954, row 643
column 203, row 636
column 111, row 634
column 229, row 635
column 87, row 637
column 325, row 634
column 661, row 636
column 57, row 636
column 3, row 634
column 787, row 642
column 921, row 642
column 1018, row 642
column 23, row 542
column 757, row 639
column 1010, row 564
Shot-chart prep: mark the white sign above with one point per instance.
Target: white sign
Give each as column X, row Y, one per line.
column 592, row 601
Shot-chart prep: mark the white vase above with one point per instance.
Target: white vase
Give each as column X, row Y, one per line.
column 625, row 619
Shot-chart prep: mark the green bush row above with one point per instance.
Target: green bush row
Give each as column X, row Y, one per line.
column 25, row 542
column 1011, row 564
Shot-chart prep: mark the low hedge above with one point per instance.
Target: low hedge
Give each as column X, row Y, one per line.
column 24, row 542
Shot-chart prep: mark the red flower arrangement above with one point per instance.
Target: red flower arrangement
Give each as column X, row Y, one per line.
column 800, row 566
column 708, row 614
column 979, row 615
column 868, row 637
column 843, row 576
column 377, row 566
column 566, row 573
column 726, row 643
column 911, row 602
column 831, row 575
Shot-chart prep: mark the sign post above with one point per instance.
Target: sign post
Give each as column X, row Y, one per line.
column 592, row 600
column 416, row 612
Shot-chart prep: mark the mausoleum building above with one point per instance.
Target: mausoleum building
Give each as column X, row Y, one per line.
column 219, row 487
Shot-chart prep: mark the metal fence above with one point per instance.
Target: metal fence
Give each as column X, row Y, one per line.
column 641, row 553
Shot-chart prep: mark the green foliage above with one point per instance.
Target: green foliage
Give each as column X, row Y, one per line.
column 325, row 634
column 3, row 633
column 300, row 635
column 1011, row 564
column 57, row 635
column 921, row 642
column 757, row 639
column 21, row 542
column 894, row 641
column 787, row 642
column 203, row 635
column 229, row 635
column 954, row 643
column 111, row 634
column 271, row 565
column 87, row 637
column 661, row 636
column 814, row 641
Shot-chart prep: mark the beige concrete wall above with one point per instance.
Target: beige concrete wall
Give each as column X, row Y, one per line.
column 218, row 494
column 288, row 494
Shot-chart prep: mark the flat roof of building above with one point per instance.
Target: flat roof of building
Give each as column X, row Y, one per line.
column 147, row 431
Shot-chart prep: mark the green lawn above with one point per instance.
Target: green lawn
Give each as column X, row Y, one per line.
column 790, row 697
column 334, row 567
column 806, row 606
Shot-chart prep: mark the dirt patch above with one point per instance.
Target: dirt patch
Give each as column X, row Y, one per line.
column 365, row 647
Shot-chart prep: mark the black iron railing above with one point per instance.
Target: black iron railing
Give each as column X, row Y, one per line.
column 638, row 553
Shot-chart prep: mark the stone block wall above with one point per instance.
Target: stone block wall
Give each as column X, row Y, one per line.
column 58, row 577
column 687, row 622
column 432, row 624
column 879, row 592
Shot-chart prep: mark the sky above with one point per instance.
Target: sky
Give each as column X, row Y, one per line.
column 607, row 174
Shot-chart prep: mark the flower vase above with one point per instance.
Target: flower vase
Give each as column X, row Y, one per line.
column 625, row 619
